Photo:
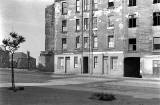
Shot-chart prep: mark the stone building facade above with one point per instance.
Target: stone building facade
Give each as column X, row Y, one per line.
column 23, row 61
column 4, row 58
column 106, row 37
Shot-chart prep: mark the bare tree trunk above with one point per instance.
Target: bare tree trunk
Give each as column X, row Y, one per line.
column 12, row 66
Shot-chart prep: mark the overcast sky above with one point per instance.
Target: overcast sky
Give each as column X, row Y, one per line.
column 27, row 18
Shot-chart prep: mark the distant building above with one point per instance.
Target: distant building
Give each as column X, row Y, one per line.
column 107, row 37
column 4, row 58
column 23, row 61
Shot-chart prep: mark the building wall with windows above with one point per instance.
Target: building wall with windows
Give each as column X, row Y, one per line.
column 106, row 36
column 125, row 32
column 142, row 32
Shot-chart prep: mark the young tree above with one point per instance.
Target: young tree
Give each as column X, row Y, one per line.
column 12, row 44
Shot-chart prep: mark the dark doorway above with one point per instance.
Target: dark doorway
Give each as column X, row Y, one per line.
column 85, row 64
column 132, row 67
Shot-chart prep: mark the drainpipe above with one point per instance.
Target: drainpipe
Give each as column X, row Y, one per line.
column 82, row 37
column 91, row 37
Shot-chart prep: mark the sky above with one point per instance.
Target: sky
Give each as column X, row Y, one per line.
column 27, row 18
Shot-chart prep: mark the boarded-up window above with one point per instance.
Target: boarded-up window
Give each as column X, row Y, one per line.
column 156, row 43
column 86, row 42
column 64, row 8
column 111, row 41
column 95, row 4
column 78, row 42
column 95, row 42
column 110, row 21
column 156, row 67
column 75, row 62
column 114, row 63
column 95, row 61
column 77, row 6
column 60, row 63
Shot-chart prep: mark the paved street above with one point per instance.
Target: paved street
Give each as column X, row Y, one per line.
column 136, row 88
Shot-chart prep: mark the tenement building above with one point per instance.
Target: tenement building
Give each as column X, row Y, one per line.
column 104, row 37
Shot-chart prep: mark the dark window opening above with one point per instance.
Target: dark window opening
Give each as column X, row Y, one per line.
column 132, row 44
column 85, row 5
column 110, row 4
column 156, row 1
column 64, row 43
column 132, row 21
column 86, row 23
column 156, row 18
column 77, row 24
column 94, row 22
column 64, row 25
column 78, row 42
column 132, row 2
column 95, row 61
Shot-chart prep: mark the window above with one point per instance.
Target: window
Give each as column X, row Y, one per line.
column 132, row 21
column 64, row 25
column 95, row 4
column 156, row 1
column 156, row 67
column 95, row 61
column 110, row 3
column 94, row 22
column 110, row 21
column 75, row 62
column 111, row 41
column 95, row 42
column 132, row 44
column 77, row 6
column 78, row 42
column 60, row 63
column 85, row 42
column 77, row 24
column 64, row 43
column 114, row 63
column 132, row 3
column 64, row 8
column 156, row 43
column 156, row 18
column 85, row 5
column 86, row 23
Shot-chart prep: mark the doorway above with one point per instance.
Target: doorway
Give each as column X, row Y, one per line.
column 105, row 65
column 85, row 64
column 132, row 67
column 67, row 64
